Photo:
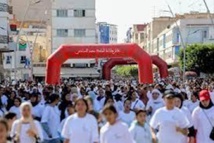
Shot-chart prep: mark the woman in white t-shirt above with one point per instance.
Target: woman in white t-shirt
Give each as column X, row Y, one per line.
column 127, row 116
column 80, row 127
column 15, row 109
column 114, row 131
column 203, row 118
column 170, row 122
column 25, row 129
column 136, row 103
column 51, row 120
column 194, row 101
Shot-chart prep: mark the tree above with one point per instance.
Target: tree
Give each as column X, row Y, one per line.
column 127, row 70
column 199, row 58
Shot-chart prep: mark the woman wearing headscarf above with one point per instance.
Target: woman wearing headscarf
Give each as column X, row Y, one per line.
column 155, row 102
column 203, row 118
column 66, row 100
column 26, row 129
column 11, row 99
column 37, row 109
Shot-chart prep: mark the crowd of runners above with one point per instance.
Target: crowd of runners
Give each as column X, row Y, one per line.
column 107, row 112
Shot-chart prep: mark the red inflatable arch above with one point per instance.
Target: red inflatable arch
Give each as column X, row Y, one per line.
column 156, row 60
column 66, row 52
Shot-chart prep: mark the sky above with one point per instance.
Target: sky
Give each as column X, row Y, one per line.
column 125, row 13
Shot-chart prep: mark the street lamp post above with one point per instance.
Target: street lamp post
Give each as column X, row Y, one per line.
column 19, row 34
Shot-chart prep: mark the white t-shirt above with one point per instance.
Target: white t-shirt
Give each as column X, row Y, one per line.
column 186, row 103
column 189, row 117
column 100, row 102
column 61, row 125
column 154, row 104
column 117, row 133
column 167, row 121
column 192, row 106
column 51, row 116
column 24, row 138
column 81, row 130
column 119, row 105
column 2, row 113
column 202, row 124
column 141, row 134
column 137, row 104
column 149, row 95
column 4, row 99
column 127, row 118
column 37, row 110
column 15, row 110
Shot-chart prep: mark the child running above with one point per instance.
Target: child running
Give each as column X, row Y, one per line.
column 114, row 131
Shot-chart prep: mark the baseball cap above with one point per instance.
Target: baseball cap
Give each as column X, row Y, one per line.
column 169, row 94
column 204, row 95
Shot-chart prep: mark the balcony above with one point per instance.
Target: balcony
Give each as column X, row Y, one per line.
column 3, row 7
column 4, row 39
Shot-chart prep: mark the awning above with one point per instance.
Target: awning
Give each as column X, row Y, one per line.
column 69, row 72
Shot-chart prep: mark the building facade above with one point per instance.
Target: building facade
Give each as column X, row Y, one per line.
column 194, row 28
column 4, row 24
column 32, row 48
column 106, row 33
column 153, row 28
column 35, row 11
column 138, row 35
column 6, row 44
column 74, row 22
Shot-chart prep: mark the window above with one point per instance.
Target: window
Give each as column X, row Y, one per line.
column 136, row 36
column 205, row 34
column 62, row 32
column 80, row 65
column 164, row 40
column 62, row 13
column 79, row 13
column 8, row 59
column 141, row 37
column 79, row 32
column 22, row 59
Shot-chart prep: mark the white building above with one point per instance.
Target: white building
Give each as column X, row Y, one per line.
column 195, row 28
column 5, row 41
column 138, row 34
column 28, row 51
column 106, row 33
column 4, row 24
column 73, row 22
